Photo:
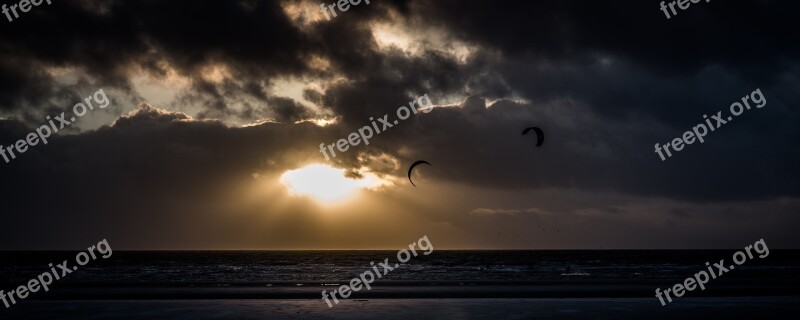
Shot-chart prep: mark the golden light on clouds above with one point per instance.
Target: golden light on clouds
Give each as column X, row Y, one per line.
column 303, row 13
column 318, row 62
column 414, row 41
column 215, row 73
column 326, row 184
column 387, row 35
column 322, row 122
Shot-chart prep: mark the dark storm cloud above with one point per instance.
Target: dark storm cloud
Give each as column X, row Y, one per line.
column 151, row 170
column 634, row 79
column 752, row 33
column 483, row 146
column 287, row 110
column 256, row 40
column 605, row 80
column 627, row 67
column 554, row 49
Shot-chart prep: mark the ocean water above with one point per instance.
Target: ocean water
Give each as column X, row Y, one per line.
column 264, row 267
column 606, row 284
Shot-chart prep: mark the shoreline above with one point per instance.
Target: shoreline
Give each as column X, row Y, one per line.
column 603, row 308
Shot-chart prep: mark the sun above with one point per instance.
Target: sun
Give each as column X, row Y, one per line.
column 326, row 184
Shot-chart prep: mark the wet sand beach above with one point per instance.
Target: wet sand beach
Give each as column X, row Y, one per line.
column 572, row 308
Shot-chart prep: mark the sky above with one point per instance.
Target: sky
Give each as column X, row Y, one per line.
column 211, row 139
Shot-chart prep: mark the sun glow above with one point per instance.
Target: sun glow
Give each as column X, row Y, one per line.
column 326, row 184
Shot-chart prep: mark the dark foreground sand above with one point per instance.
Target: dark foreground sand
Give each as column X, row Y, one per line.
column 418, row 309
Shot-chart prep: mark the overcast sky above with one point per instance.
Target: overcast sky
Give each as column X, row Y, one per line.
column 213, row 101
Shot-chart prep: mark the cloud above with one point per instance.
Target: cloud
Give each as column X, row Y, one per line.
column 510, row 212
column 215, row 92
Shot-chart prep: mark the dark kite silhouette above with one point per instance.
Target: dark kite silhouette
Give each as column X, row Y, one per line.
column 539, row 134
column 412, row 168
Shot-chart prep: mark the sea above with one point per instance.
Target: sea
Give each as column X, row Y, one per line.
column 242, row 267
column 446, row 284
